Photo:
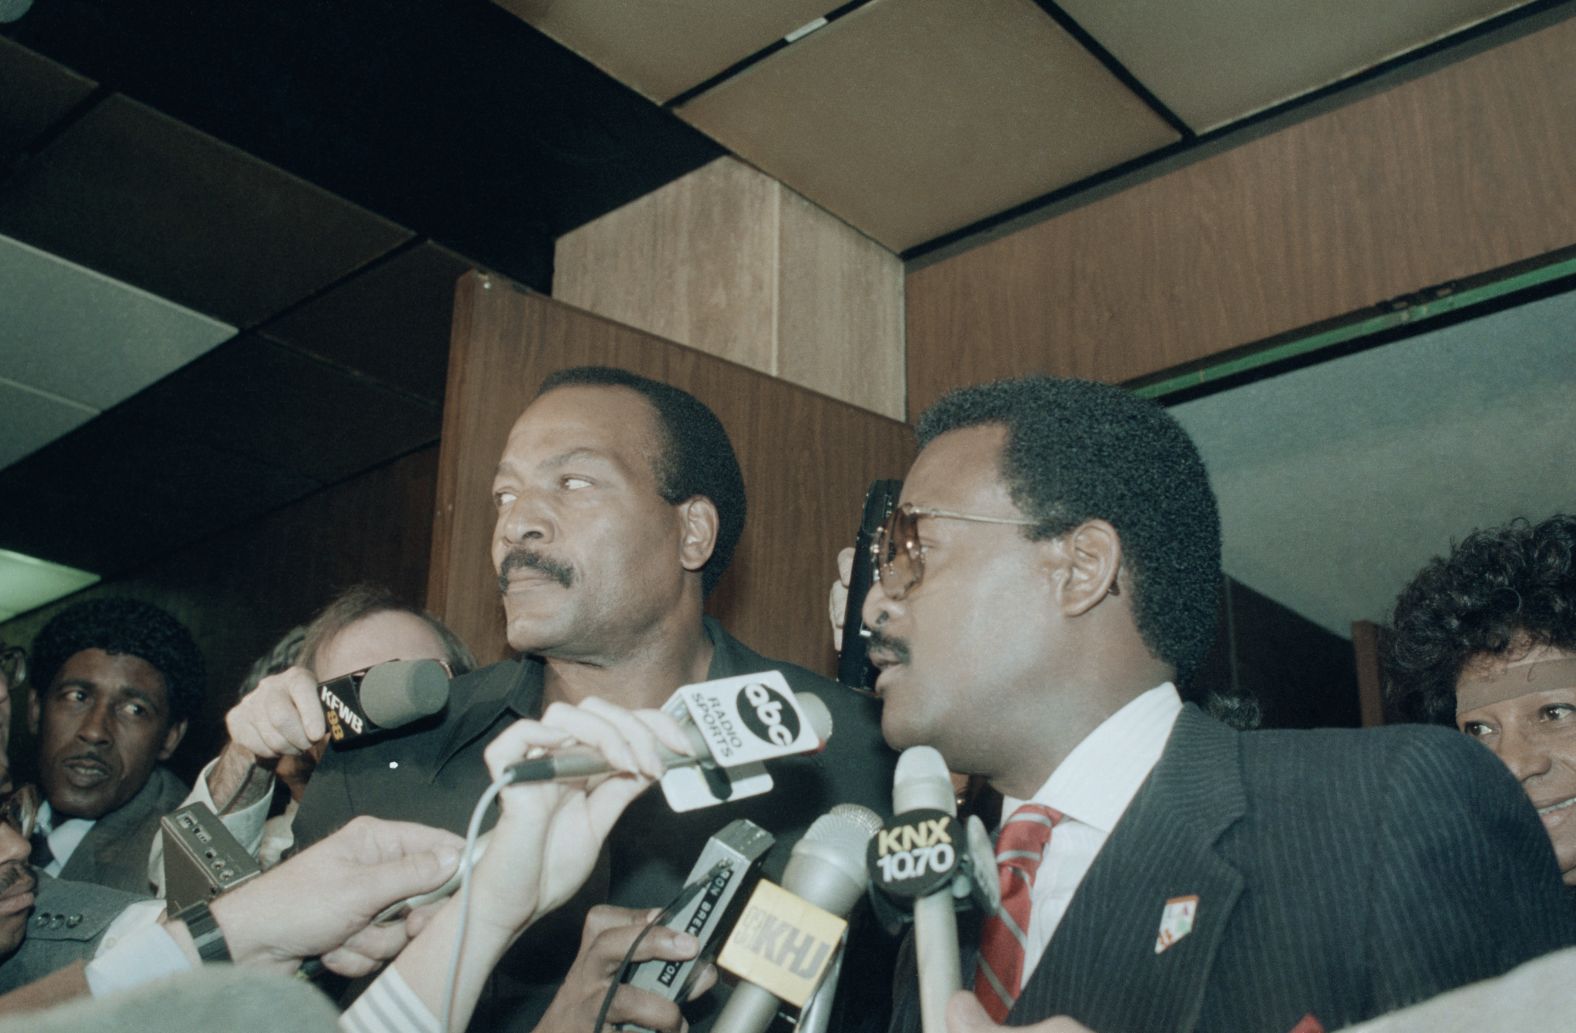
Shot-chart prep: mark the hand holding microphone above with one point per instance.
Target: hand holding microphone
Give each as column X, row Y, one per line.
column 550, row 832
column 290, row 714
column 545, row 843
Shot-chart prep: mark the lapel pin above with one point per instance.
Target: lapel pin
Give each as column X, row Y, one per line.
column 1176, row 921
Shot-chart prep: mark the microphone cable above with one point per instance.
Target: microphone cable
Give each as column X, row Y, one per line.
column 467, row 864
column 674, row 906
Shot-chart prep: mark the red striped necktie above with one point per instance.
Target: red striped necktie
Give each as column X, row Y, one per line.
column 998, row 979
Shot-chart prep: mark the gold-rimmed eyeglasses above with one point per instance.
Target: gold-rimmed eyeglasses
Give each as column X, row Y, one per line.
column 899, row 556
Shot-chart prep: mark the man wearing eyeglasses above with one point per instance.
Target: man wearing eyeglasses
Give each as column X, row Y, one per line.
column 1047, row 584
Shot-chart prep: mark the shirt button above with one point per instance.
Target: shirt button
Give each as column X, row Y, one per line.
column 73, row 921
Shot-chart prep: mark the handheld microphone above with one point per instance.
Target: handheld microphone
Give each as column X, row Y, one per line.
column 382, row 697
column 575, row 762
column 853, row 668
column 917, row 856
column 788, row 936
column 720, row 872
column 717, row 740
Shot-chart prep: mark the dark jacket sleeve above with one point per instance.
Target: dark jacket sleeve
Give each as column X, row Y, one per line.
column 1466, row 886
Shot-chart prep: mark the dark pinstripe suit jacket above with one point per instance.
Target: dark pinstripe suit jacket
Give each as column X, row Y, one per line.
column 1338, row 873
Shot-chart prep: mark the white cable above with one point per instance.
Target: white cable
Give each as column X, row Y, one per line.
column 467, row 863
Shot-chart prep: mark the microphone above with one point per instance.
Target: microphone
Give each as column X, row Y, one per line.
column 788, row 935
column 714, row 745
column 853, row 668
column 916, row 857
column 713, row 885
column 382, row 697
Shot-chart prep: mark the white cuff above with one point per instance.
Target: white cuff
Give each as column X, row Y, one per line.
column 389, row 1006
column 140, row 957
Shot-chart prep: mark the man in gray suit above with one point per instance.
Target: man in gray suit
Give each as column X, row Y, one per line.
column 1047, row 583
column 115, row 682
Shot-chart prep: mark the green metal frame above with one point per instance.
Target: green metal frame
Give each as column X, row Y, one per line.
column 1419, row 311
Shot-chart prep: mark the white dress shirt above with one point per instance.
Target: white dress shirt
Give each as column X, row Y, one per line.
column 63, row 838
column 1091, row 788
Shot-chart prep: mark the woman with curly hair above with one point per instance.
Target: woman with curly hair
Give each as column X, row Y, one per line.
column 1485, row 639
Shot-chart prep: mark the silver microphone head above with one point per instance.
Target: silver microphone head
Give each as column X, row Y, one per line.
column 827, row 866
column 922, row 782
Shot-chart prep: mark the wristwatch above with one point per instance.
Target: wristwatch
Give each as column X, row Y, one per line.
column 206, row 934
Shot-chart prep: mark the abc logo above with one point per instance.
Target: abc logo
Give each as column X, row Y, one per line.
column 768, row 715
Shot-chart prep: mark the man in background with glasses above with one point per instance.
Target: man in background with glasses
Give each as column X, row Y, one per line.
column 1045, row 589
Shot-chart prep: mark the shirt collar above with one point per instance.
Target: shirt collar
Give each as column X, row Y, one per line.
column 1102, row 774
column 521, row 690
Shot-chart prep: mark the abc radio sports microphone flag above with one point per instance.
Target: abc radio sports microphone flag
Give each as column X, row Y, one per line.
column 744, row 721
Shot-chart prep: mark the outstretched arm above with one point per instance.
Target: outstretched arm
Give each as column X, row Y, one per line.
column 544, row 845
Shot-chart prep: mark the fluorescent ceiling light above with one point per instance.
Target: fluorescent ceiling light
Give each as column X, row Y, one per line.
column 27, row 583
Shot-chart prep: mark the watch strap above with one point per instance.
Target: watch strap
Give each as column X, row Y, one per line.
column 206, row 934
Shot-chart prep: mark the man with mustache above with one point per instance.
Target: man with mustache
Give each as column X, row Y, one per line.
column 115, row 682
column 619, row 501
column 1048, row 581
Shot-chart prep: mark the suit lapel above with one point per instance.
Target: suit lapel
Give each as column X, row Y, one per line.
column 103, row 856
column 1163, row 848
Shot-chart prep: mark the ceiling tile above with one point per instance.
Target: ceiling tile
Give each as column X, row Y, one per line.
column 29, row 421
column 88, row 339
column 910, row 119
column 390, row 322
column 37, row 92
column 663, row 49
column 1215, row 61
column 271, row 404
column 145, row 199
column 116, row 492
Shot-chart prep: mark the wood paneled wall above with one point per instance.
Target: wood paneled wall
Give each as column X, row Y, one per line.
column 730, row 261
column 1297, row 674
column 241, row 590
column 1461, row 171
column 807, row 460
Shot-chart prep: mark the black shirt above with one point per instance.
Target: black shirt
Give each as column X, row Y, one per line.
column 434, row 773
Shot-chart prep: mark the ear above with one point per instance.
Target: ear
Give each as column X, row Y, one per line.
column 698, row 521
column 35, row 711
column 172, row 738
column 1092, row 560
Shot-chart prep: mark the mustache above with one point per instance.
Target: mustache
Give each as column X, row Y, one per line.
column 530, row 559
column 896, row 648
column 15, row 873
